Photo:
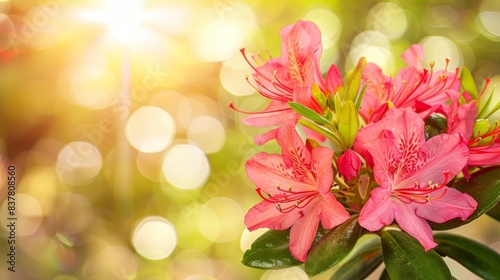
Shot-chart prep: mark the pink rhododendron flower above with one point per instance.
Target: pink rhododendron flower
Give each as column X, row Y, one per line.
column 290, row 77
column 412, row 175
column 349, row 165
column 295, row 188
column 415, row 87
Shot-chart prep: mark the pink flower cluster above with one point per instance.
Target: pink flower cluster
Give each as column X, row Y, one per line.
column 394, row 171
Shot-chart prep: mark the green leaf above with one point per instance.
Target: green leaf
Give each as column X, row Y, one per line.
column 323, row 131
column 384, row 275
column 484, row 187
column 405, row 258
column 478, row 258
column 468, row 83
column 333, row 247
column 308, row 113
column 348, row 123
column 271, row 250
column 367, row 258
column 495, row 212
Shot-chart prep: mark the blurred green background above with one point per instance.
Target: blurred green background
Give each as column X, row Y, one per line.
column 130, row 164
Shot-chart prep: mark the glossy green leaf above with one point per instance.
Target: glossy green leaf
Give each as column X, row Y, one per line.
column 484, row 187
column 495, row 212
column 323, row 131
column 468, row 83
column 478, row 258
column 308, row 113
column 348, row 123
column 405, row 258
column 271, row 250
column 333, row 247
column 384, row 275
column 366, row 259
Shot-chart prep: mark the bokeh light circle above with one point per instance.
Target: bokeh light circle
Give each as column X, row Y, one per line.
column 441, row 47
column 389, row 19
column 208, row 133
column 221, row 219
column 328, row 23
column 150, row 129
column 248, row 237
column 78, row 163
column 185, row 166
column 154, row 238
column 489, row 17
column 28, row 210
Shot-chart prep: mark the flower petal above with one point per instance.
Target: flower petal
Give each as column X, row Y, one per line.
column 321, row 166
column 303, row 232
column 265, row 215
column 451, row 205
column 413, row 224
column 377, row 212
column 332, row 212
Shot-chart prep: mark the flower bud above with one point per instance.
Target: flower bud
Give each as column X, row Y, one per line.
column 349, row 165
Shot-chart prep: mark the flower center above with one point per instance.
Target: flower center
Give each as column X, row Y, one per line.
column 288, row 199
column 279, row 90
column 421, row 194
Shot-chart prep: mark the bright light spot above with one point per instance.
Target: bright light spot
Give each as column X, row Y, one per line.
column 177, row 105
column 328, row 23
column 220, row 33
column 7, row 32
column 93, row 85
column 154, row 238
column 221, row 219
column 123, row 19
column 437, row 48
column 185, row 167
column 150, row 129
column 208, row 133
column 78, row 163
column 489, row 17
column 375, row 47
column 248, row 237
column 295, row 273
column 389, row 19
column 28, row 211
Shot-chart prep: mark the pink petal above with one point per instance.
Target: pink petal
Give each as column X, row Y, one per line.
column 377, row 212
column 414, row 56
column 332, row 212
column 267, row 171
column 321, row 165
column 414, row 225
column 484, row 155
column 452, row 205
column 442, row 153
column 303, row 232
column 265, row 215
column 262, row 139
column 294, row 150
